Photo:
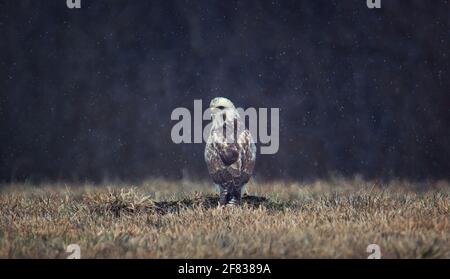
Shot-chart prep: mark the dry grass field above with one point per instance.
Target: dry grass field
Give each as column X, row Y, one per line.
column 163, row 219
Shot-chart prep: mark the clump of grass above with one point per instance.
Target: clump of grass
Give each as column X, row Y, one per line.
column 118, row 201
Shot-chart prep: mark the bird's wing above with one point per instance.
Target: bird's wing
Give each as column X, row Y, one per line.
column 248, row 155
column 213, row 158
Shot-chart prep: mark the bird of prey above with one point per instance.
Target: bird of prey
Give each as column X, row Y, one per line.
column 230, row 151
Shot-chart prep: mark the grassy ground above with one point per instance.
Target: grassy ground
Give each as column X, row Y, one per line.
column 162, row 219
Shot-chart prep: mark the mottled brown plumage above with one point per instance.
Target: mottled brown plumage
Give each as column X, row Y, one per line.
column 230, row 152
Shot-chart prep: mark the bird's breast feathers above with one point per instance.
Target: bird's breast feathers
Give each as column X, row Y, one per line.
column 230, row 159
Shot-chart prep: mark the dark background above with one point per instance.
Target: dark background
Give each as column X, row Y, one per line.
column 87, row 94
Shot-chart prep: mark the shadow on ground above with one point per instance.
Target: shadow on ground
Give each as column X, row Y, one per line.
column 120, row 203
column 208, row 202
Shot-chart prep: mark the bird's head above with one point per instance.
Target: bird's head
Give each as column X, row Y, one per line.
column 222, row 110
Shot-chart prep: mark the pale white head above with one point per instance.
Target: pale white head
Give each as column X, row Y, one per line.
column 222, row 110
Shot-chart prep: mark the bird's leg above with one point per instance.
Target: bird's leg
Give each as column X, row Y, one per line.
column 235, row 198
column 223, row 197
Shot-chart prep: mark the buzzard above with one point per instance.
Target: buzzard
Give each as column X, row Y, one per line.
column 230, row 151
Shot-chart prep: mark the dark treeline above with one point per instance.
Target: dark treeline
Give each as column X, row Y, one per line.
column 87, row 94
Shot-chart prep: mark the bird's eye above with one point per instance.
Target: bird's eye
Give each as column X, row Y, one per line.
column 220, row 107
